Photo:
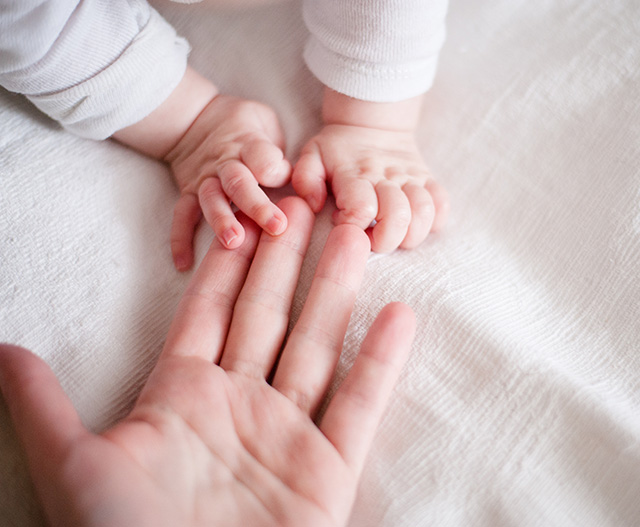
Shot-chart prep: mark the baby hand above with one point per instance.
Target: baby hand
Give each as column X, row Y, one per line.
column 232, row 148
column 376, row 175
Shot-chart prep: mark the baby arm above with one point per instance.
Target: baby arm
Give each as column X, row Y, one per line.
column 368, row 155
column 220, row 150
column 219, row 147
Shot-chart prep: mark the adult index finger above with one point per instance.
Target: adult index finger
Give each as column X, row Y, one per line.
column 201, row 323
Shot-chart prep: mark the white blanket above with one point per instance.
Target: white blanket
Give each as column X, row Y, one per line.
column 520, row 404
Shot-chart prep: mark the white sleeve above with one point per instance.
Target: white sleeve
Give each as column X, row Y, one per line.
column 96, row 66
column 375, row 50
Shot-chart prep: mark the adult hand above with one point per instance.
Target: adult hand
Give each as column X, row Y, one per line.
column 210, row 441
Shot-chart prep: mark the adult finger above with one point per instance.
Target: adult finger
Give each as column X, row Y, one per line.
column 241, row 187
column 309, row 178
column 186, row 216
column 393, row 218
column 201, row 323
column 422, row 214
column 308, row 361
column 218, row 213
column 261, row 314
column 356, row 201
column 44, row 417
column 355, row 411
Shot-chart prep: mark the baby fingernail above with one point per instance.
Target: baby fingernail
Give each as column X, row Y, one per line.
column 313, row 202
column 275, row 226
column 182, row 263
column 228, row 236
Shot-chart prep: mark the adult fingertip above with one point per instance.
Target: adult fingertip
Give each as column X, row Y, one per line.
column 394, row 329
column 12, row 361
column 296, row 208
column 351, row 237
column 6, row 348
column 7, row 353
column 400, row 314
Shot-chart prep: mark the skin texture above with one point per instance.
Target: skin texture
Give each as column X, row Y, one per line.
column 223, row 149
column 368, row 156
column 210, row 441
column 220, row 150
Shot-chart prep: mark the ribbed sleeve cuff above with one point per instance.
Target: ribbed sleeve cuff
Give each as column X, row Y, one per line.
column 369, row 81
column 125, row 92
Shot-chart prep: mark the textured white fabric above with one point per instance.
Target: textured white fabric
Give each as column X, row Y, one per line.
column 95, row 66
column 520, row 404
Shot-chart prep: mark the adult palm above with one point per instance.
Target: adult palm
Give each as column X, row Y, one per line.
column 220, row 434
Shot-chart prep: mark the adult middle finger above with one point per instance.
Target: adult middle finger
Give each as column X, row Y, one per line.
column 261, row 314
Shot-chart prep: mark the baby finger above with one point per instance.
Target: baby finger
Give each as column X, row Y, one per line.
column 266, row 161
column 440, row 199
column 393, row 218
column 356, row 201
column 309, row 178
column 422, row 215
column 186, row 216
column 241, row 187
column 218, row 213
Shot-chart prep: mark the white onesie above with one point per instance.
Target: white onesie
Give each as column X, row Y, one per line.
column 97, row 66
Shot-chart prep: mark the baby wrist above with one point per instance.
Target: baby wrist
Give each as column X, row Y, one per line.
column 158, row 133
column 338, row 108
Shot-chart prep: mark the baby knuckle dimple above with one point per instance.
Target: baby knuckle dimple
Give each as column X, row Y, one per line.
column 419, row 174
column 395, row 174
column 223, row 151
